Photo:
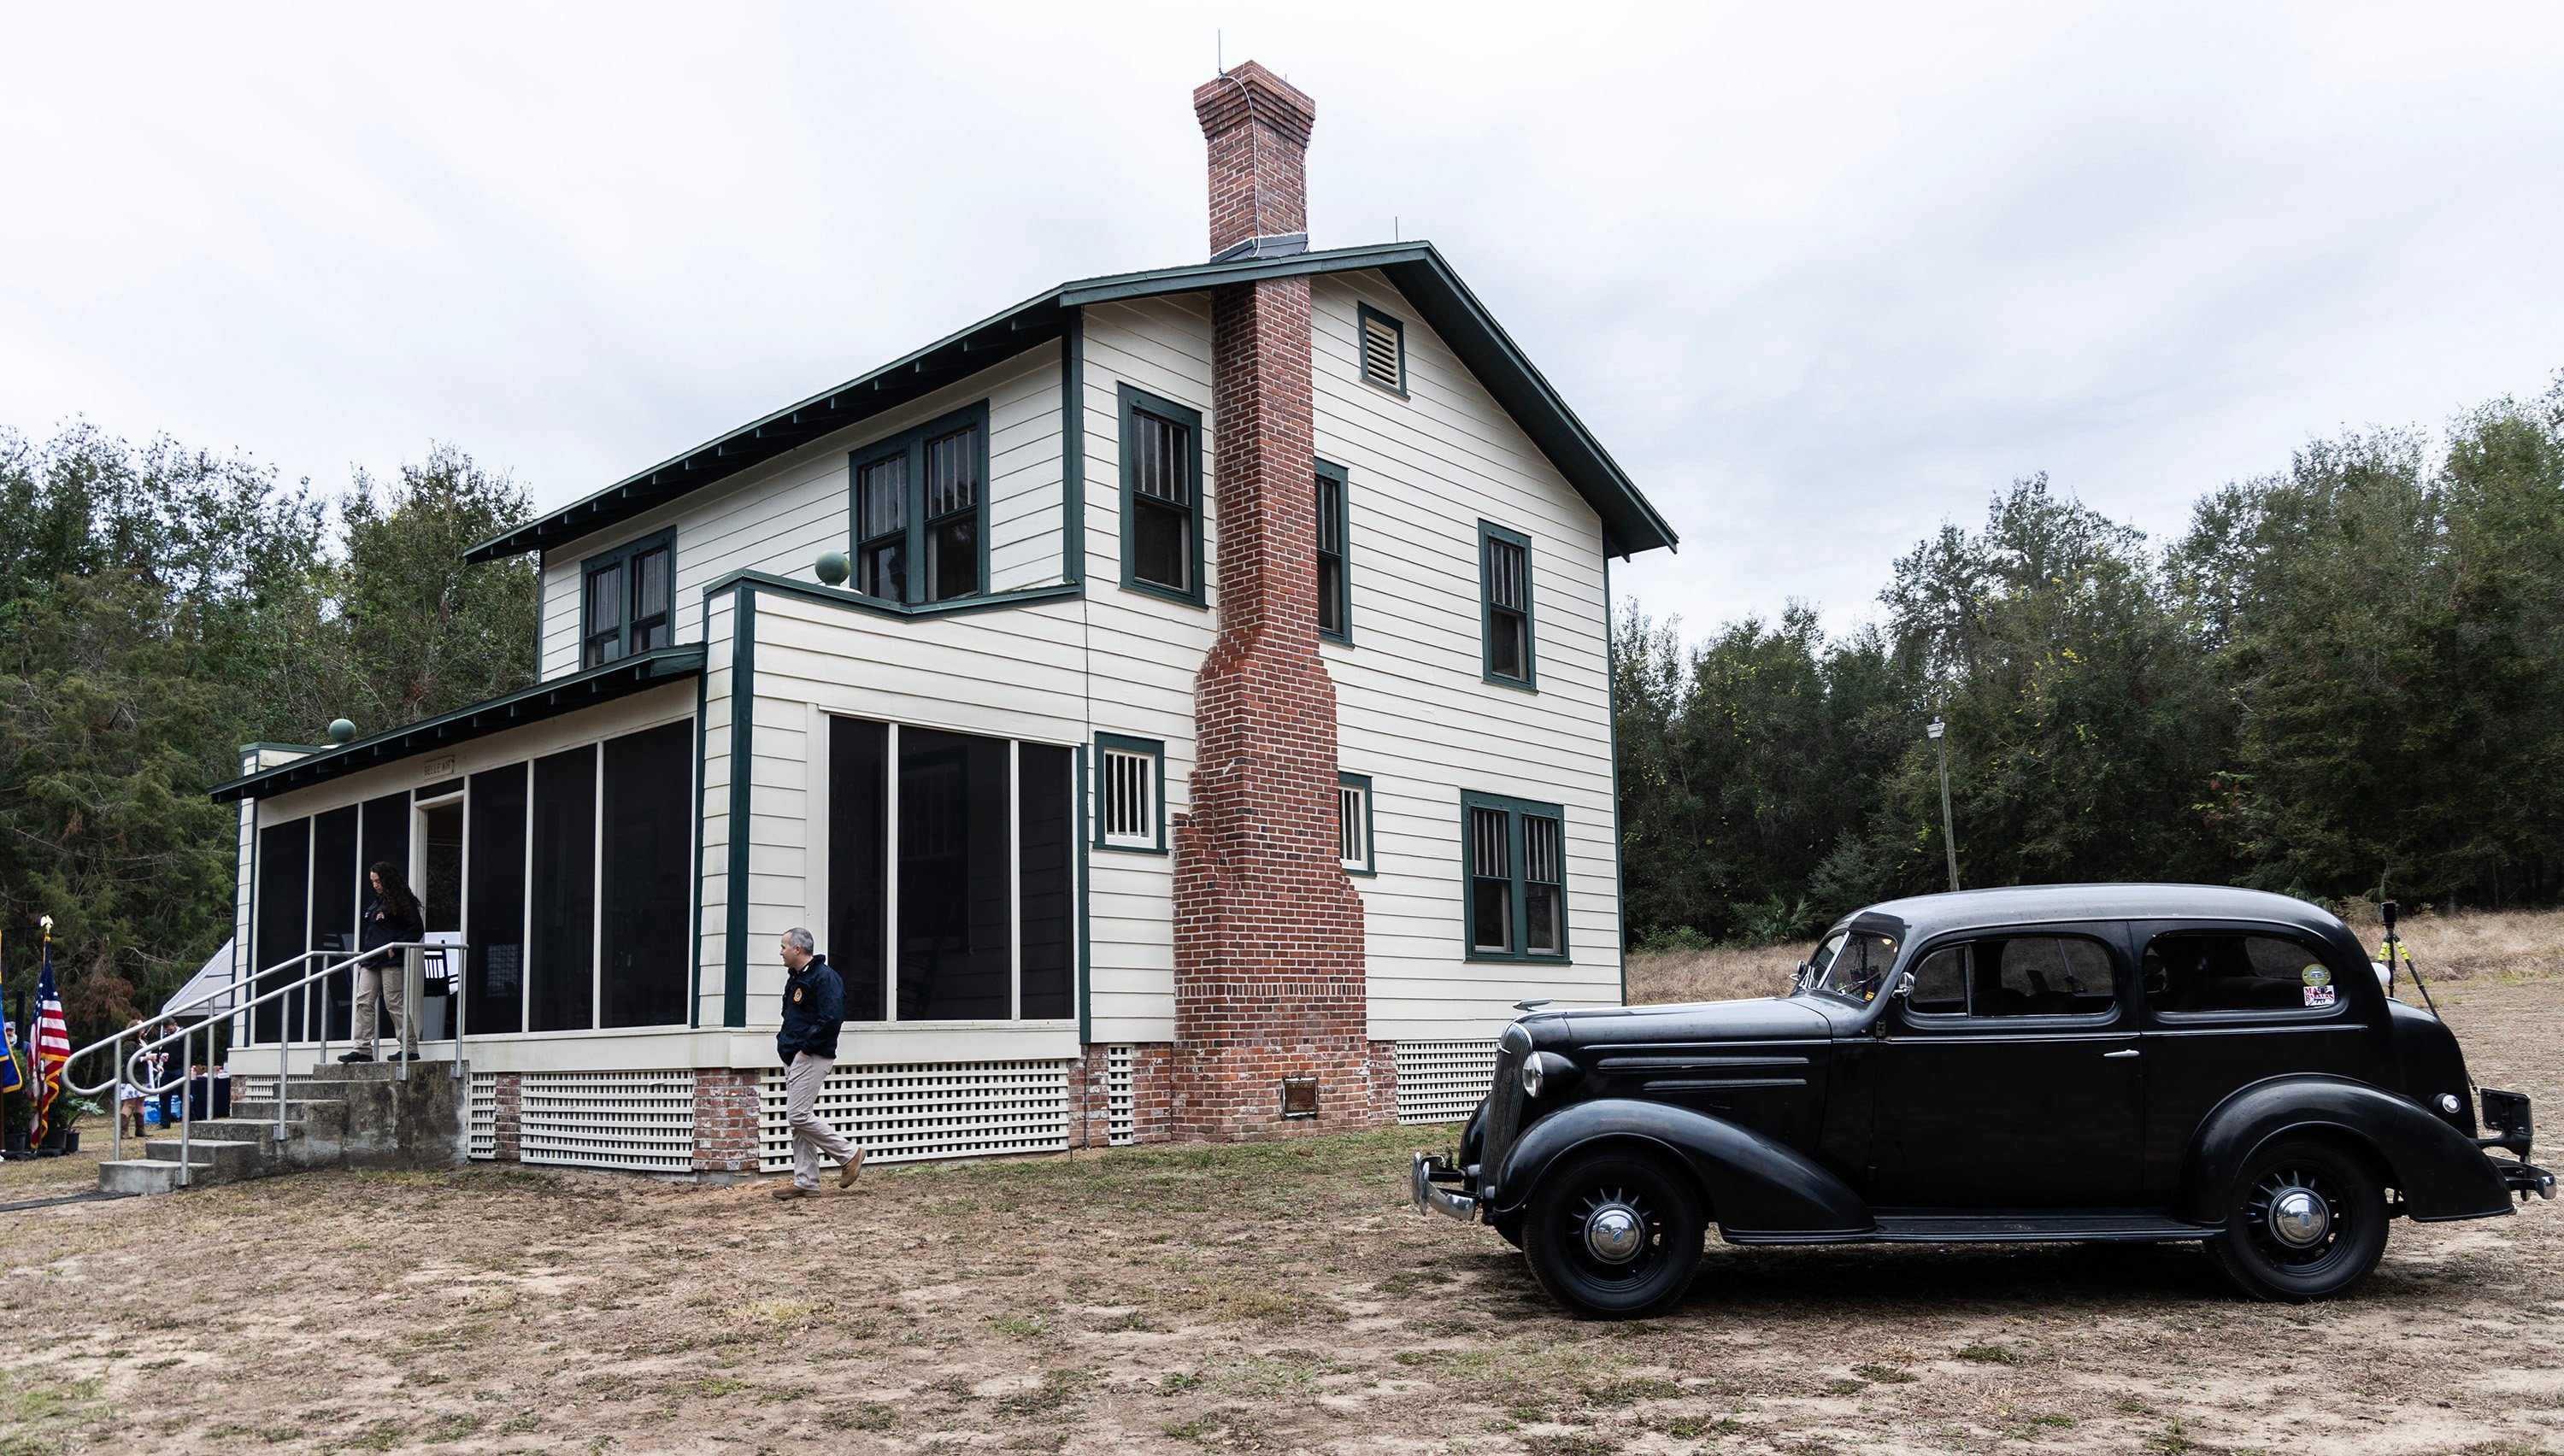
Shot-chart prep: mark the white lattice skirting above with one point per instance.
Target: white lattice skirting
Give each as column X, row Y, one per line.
column 485, row 1115
column 916, row 1111
column 1442, row 1081
column 1121, row 1105
column 636, row 1122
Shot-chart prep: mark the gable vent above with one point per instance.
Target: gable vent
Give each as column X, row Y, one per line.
column 1383, row 351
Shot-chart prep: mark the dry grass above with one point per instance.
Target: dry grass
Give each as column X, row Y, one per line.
column 1270, row 1297
column 2501, row 945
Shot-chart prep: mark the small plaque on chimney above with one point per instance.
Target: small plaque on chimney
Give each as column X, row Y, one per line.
column 1298, row 1096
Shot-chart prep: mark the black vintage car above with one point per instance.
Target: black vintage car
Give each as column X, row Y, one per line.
column 2060, row 1062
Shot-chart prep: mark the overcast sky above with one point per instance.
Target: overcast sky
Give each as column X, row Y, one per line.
column 1819, row 277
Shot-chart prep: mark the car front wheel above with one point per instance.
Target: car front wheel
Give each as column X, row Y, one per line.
column 2307, row 1222
column 1614, row 1235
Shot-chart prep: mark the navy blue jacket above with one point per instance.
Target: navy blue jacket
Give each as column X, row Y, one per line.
column 814, row 1004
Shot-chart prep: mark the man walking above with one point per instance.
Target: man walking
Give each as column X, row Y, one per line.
column 814, row 1005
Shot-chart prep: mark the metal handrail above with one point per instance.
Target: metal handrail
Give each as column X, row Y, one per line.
column 124, row 1065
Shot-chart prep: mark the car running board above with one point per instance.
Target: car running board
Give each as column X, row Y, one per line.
column 2001, row 1228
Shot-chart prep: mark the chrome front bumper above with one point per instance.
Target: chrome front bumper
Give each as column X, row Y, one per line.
column 1423, row 1183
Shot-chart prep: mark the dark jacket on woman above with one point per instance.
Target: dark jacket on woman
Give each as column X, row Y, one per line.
column 381, row 926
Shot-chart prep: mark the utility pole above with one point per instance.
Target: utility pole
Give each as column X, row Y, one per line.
column 1949, row 837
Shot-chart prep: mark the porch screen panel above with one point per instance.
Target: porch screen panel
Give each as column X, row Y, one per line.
column 648, row 890
column 1045, row 832
column 386, row 841
column 284, row 898
column 560, row 978
column 494, row 991
column 333, row 910
column 383, row 840
column 857, row 863
column 955, row 888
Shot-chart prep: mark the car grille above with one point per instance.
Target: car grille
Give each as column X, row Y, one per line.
column 1504, row 1101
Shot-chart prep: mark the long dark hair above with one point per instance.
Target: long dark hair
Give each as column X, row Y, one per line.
column 395, row 896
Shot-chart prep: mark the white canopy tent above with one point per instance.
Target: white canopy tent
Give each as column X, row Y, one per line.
column 214, row 975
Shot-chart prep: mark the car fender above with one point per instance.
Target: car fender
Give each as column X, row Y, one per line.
column 1754, row 1184
column 2439, row 1173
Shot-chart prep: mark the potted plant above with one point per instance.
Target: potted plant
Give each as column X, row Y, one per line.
column 63, row 1134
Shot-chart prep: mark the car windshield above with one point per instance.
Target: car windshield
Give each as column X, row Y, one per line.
column 1849, row 965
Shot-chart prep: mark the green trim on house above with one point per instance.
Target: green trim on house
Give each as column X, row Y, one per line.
column 1371, row 820
column 1363, row 313
column 1072, row 449
column 855, row 601
column 703, row 750
column 743, row 765
column 606, row 561
column 1085, row 914
column 1514, row 810
column 1344, row 479
column 912, row 444
column 1157, row 751
column 1529, row 682
column 551, row 699
column 1420, row 272
column 1134, row 400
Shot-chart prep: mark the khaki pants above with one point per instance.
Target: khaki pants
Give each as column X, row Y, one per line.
column 387, row 985
column 811, row 1136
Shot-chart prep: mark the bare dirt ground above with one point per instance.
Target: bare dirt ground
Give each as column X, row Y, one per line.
column 1280, row 1297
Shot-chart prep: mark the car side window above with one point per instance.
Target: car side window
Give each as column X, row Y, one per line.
column 1940, row 986
column 2224, row 970
column 2014, row 976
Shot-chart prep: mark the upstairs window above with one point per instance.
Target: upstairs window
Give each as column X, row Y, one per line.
column 1504, row 591
column 1514, row 853
column 1161, row 526
column 1130, row 793
column 1335, row 589
column 1353, row 823
column 918, row 512
column 626, row 604
column 1383, row 351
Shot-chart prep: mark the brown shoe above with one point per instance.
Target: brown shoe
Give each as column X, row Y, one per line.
column 846, row 1171
column 796, row 1190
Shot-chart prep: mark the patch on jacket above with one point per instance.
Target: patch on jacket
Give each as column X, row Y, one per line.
column 796, row 993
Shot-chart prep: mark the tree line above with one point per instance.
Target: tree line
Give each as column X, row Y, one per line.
column 160, row 607
column 2344, row 679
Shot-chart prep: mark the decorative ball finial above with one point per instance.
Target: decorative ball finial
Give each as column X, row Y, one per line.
column 834, row 568
column 342, row 730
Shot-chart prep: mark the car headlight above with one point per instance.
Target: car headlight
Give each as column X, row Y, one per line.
column 2449, row 1103
column 1545, row 1071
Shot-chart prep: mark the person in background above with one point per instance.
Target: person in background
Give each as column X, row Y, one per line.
column 391, row 917
column 129, row 1096
column 814, row 1006
column 174, row 1090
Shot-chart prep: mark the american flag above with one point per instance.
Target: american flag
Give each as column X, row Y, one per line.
column 51, row 1038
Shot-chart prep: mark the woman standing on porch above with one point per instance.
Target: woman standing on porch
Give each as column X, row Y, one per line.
column 391, row 917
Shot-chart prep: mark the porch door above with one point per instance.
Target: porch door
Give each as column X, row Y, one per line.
column 438, row 875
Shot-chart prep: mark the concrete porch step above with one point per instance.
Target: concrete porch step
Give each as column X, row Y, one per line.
column 136, row 1175
column 213, row 1163
column 252, row 1130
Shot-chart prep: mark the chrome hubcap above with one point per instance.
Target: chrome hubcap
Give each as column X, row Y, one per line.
column 2299, row 1218
column 1614, row 1233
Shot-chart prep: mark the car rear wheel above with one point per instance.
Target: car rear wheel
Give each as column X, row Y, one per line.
column 1614, row 1235
column 2307, row 1222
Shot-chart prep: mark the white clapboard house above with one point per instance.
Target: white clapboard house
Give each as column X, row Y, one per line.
column 1204, row 733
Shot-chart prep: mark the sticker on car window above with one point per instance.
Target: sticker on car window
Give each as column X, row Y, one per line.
column 2319, row 987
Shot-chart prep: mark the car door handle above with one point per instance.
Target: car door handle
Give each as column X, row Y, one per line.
column 2114, row 1056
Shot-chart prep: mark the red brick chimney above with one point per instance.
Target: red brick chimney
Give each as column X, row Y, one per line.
column 1269, row 965
column 1258, row 128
